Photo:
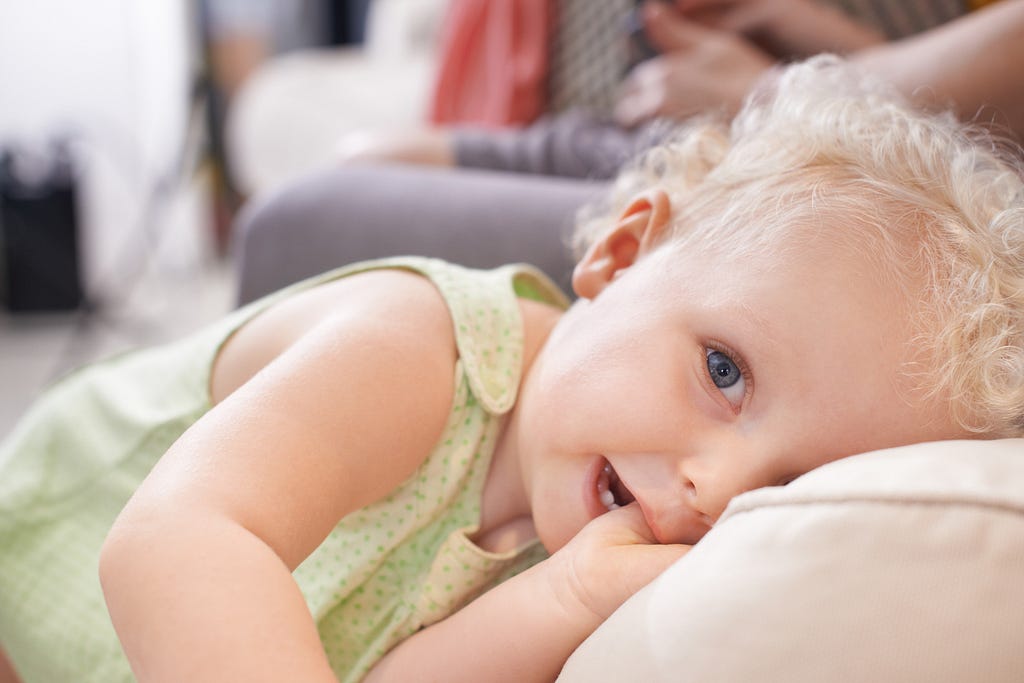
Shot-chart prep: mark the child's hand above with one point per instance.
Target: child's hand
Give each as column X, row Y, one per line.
column 525, row 628
column 613, row 557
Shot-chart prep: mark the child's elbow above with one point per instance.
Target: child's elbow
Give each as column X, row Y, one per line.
column 123, row 563
column 114, row 561
column 134, row 579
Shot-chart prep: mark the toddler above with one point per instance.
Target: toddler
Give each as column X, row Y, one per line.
column 406, row 470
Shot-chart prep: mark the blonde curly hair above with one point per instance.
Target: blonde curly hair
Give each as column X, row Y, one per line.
column 929, row 198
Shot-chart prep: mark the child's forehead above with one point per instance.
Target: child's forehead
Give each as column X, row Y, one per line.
column 810, row 301
column 758, row 247
column 791, row 209
column 812, row 264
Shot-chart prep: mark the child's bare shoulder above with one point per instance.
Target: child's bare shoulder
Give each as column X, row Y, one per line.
column 399, row 307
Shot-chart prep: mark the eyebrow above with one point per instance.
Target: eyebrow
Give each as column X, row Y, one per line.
column 759, row 323
column 759, row 341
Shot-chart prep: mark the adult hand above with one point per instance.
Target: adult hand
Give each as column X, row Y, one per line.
column 612, row 558
column 787, row 29
column 700, row 69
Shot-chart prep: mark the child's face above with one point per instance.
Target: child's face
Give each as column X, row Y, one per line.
column 696, row 378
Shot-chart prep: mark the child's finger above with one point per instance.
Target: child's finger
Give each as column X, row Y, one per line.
column 622, row 571
column 625, row 526
column 641, row 564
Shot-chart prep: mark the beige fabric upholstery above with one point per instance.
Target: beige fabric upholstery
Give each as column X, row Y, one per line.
column 898, row 565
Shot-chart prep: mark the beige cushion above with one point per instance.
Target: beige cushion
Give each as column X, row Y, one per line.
column 898, row 565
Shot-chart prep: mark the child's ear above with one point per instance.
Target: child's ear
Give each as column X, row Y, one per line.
column 638, row 230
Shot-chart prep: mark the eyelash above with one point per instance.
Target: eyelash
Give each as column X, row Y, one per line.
column 748, row 378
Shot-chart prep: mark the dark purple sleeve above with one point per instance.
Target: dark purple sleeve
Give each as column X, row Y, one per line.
column 573, row 144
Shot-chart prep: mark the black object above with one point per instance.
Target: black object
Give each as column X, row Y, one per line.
column 39, row 256
column 346, row 20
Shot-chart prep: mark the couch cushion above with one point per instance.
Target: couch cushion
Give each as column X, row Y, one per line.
column 899, row 565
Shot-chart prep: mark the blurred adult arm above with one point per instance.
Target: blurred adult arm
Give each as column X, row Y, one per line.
column 787, row 29
column 972, row 64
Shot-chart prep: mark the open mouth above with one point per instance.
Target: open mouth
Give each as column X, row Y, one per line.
column 612, row 493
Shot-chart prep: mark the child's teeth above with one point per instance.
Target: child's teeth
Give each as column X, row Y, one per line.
column 603, row 491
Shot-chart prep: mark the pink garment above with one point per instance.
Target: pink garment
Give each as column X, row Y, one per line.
column 493, row 62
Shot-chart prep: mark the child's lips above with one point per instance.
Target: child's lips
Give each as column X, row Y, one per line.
column 606, row 491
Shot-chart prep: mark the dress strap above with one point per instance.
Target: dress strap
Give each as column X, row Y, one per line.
column 484, row 310
column 488, row 324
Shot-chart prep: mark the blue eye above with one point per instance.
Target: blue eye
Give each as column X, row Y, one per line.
column 726, row 375
column 724, row 372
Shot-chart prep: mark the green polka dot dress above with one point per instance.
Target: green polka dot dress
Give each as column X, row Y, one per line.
column 383, row 573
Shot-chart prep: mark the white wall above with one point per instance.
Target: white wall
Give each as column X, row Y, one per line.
column 115, row 74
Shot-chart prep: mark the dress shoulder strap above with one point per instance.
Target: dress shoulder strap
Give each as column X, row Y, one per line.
column 488, row 324
column 482, row 303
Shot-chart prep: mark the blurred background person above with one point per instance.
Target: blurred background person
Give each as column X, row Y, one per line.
column 616, row 74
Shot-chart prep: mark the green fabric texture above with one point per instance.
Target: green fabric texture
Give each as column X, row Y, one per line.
column 383, row 573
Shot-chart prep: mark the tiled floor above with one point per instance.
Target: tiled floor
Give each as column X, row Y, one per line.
column 182, row 287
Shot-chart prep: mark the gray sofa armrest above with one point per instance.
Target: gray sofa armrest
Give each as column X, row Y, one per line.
column 352, row 213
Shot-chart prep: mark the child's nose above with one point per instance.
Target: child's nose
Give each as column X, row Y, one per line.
column 716, row 472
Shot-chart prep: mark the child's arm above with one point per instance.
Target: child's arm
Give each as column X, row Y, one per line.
column 524, row 629
column 196, row 570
